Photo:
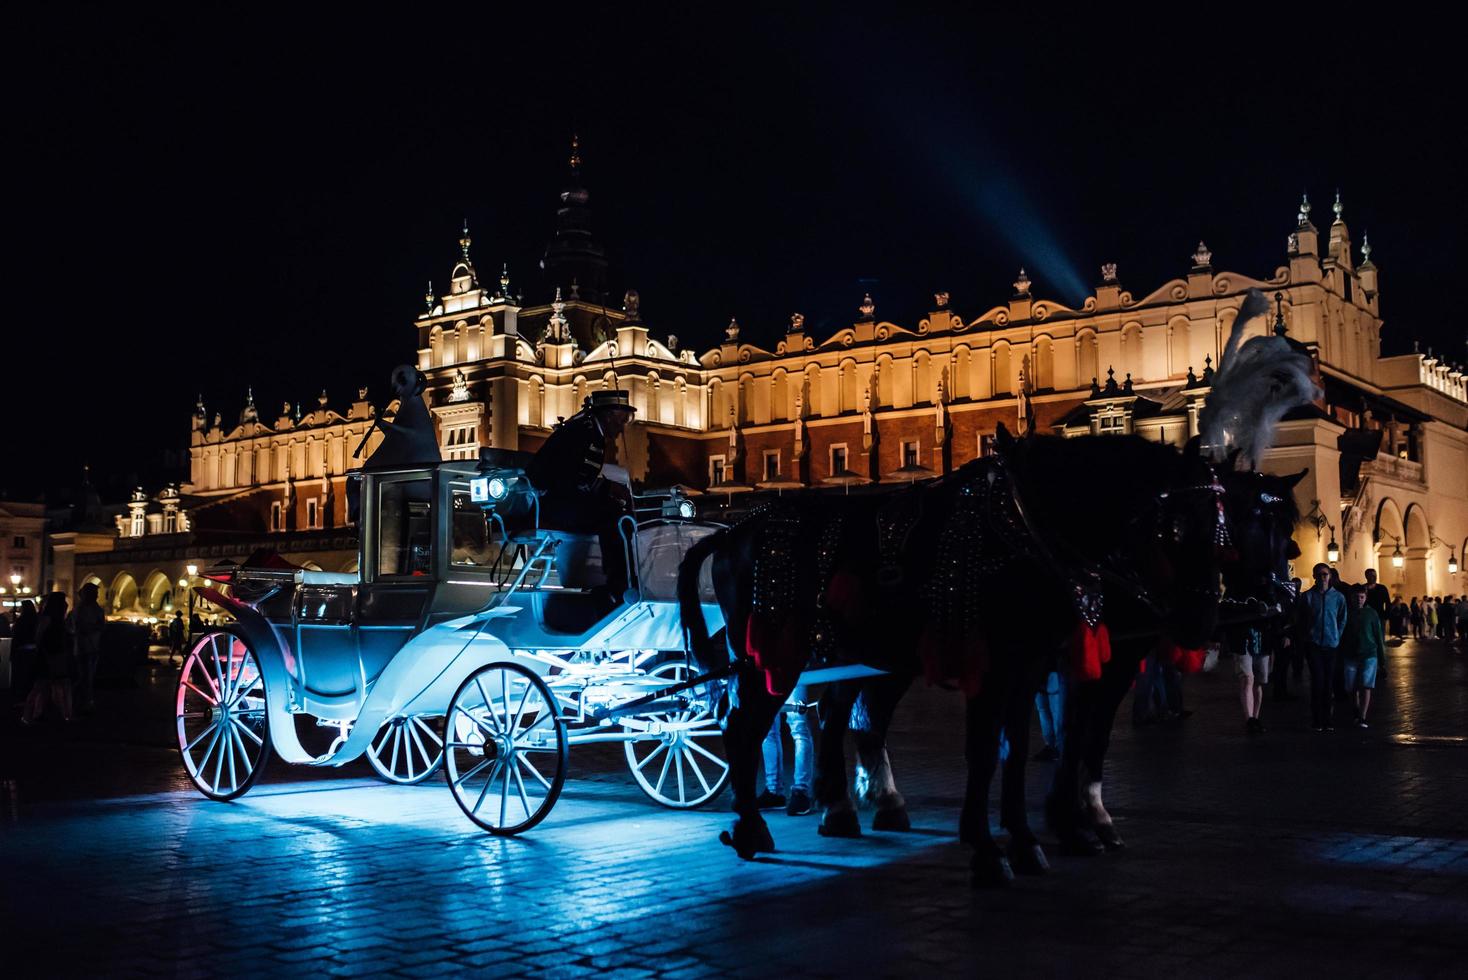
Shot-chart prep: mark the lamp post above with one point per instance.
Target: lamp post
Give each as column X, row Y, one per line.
column 1332, row 550
column 193, row 571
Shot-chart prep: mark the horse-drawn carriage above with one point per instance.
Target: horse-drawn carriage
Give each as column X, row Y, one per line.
column 471, row 641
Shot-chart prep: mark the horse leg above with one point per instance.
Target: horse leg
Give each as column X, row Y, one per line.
column 981, row 747
column 874, row 776
column 750, row 718
column 1111, row 692
column 1025, row 854
column 839, row 816
column 1064, row 808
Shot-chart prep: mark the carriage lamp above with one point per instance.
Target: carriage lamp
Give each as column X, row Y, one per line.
column 497, row 488
column 1398, row 559
column 1332, row 551
column 678, row 505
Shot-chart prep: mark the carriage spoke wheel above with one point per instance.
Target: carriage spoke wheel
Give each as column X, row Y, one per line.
column 223, row 728
column 505, row 748
column 680, row 761
column 407, row 750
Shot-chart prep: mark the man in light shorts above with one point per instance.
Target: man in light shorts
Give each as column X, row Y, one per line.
column 1251, row 664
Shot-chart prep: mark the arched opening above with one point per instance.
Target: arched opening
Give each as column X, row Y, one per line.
column 124, row 592
column 1387, row 535
column 810, row 391
column 962, row 365
column 311, row 566
column 1131, row 350
column 1003, row 371
column 780, row 396
column 1087, row 371
column 1177, row 347
column 924, row 391
column 157, row 595
column 435, row 347
column 536, row 399
column 1418, row 546
column 1044, row 365
column 747, row 409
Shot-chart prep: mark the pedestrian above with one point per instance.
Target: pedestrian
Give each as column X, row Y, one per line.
column 1463, row 619
column 1363, row 648
column 85, row 624
column 1322, row 618
column 1377, row 596
column 1149, row 698
column 1449, row 617
column 797, row 711
column 1429, row 617
column 55, row 664
column 176, row 636
column 1251, row 666
column 1397, row 618
column 1414, row 616
column 1050, row 707
column 23, row 650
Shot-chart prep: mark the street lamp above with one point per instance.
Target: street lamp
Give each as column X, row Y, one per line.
column 1332, row 550
column 193, row 571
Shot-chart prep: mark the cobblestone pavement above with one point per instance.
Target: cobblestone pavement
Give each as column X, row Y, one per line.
column 1290, row 854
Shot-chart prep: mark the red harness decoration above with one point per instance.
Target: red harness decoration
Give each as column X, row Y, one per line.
column 1189, row 661
column 1090, row 648
column 776, row 652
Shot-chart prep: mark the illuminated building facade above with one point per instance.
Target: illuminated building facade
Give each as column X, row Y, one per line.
column 879, row 401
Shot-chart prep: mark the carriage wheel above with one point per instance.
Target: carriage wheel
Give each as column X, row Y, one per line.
column 406, row 750
column 223, row 728
column 505, row 748
column 680, row 762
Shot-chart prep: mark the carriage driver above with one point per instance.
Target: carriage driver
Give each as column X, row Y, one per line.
column 574, row 495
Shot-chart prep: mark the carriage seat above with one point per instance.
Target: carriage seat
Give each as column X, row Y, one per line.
column 309, row 577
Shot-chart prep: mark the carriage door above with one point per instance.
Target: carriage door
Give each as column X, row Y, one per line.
column 397, row 564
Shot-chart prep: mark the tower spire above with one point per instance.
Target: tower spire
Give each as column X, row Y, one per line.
column 465, row 241
column 575, row 160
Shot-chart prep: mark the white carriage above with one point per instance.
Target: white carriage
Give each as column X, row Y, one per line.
column 470, row 643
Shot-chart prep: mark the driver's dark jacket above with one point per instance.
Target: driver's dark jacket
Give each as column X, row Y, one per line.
column 571, row 459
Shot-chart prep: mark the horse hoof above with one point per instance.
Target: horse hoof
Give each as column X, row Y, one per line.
column 1109, row 838
column 1077, row 844
column 992, row 872
column 748, row 839
column 840, row 823
column 1028, row 859
column 895, row 819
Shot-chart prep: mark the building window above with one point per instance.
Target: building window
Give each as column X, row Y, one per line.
column 313, row 513
column 716, row 470
column 138, row 525
column 1111, row 423
column 170, row 522
column 838, row 459
column 986, row 444
column 911, row 454
column 772, row 464
column 18, row 543
column 276, row 524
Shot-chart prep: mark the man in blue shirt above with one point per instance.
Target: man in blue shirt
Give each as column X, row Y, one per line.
column 1322, row 612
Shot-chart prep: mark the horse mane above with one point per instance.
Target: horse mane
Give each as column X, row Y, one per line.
column 1086, row 488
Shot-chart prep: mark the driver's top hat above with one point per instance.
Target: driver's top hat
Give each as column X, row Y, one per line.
column 613, row 398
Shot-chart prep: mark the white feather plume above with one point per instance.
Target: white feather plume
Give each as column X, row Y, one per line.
column 1256, row 383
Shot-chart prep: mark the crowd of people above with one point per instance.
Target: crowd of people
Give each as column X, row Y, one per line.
column 1338, row 631
column 54, row 653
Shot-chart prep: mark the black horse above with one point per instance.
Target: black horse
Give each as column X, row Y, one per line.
column 1261, row 515
column 963, row 579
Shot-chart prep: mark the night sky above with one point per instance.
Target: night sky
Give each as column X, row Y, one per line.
column 207, row 204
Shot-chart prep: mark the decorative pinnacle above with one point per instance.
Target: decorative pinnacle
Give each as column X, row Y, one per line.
column 465, row 241
column 428, row 297
column 321, row 399
column 575, row 154
column 731, row 332
column 1202, row 257
column 1108, row 272
column 505, row 280
column 1365, row 249
column 1022, row 284
column 1304, row 216
column 1279, row 322
column 797, row 322
column 1338, row 207
column 867, row 307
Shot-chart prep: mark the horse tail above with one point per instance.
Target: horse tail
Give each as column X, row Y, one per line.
column 690, row 609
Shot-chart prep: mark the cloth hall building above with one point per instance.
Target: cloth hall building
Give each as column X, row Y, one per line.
column 872, row 402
